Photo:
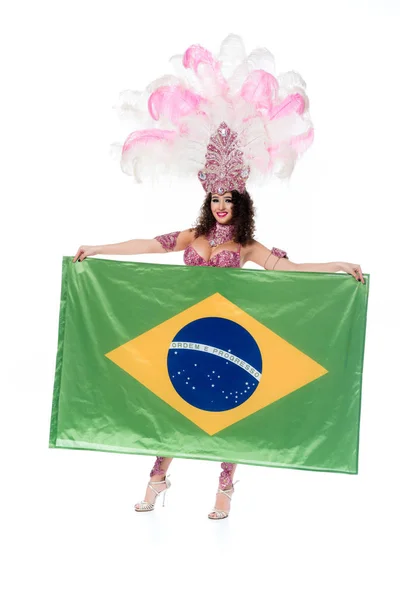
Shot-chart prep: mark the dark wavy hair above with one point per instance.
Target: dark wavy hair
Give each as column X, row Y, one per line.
column 242, row 218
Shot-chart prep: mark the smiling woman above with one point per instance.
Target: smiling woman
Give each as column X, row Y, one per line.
column 233, row 208
column 271, row 129
column 221, row 207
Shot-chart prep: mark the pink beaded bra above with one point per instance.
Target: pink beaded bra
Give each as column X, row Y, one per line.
column 224, row 258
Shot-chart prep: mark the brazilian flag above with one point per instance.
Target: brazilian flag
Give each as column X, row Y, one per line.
column 236, row 365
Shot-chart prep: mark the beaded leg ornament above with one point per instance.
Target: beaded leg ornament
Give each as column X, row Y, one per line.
column 225, row 479
column 157, row 470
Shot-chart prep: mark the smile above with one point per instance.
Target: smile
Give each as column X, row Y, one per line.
column 222, row 214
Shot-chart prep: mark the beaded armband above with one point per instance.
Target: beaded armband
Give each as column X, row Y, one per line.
column 279, row 254
column 168, row 240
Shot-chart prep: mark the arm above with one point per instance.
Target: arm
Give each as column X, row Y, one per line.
column 278, row 261
column 176, row 241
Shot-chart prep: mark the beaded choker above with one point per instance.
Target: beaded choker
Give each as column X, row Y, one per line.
column 220, row 234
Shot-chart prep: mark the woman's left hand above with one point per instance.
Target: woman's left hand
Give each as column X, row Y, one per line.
column 352, row 269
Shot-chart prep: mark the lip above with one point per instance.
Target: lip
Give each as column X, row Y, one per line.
column 222, row 214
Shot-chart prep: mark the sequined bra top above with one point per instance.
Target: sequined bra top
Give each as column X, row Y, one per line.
column 224, row 258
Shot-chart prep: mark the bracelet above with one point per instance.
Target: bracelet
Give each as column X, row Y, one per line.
column 276, row 262
column 266, row 260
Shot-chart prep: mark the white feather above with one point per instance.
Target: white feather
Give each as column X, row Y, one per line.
column 261, row 58
column 290, row 80
column 166, row 80
column 132, row 105
column 238, row 77
column 231, row 55
column 184, row 74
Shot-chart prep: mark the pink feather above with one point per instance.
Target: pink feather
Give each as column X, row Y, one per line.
column 207, row 69
column 173, row 102
column 148, row 136
column 196, row 55
column 301, row 142
column 260, row 89
column 292, row 103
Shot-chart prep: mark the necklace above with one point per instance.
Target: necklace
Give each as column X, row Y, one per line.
column 220, row 234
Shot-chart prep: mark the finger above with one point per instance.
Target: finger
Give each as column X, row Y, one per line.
column 77, row 254
column 359, row 274
column 82, row 257
column 353, row 270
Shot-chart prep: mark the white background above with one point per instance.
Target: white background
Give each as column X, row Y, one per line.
column 69, row 529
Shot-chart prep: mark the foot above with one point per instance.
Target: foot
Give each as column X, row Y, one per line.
column 222, row 503
column 150, row 494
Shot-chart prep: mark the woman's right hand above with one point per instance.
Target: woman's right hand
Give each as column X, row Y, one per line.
column 84, row 251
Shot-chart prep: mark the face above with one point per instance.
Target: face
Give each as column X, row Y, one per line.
column 222, row 207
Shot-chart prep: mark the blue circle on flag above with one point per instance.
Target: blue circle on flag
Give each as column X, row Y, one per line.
column 214, row 364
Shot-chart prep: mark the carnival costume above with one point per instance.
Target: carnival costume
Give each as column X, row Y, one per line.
column 227, row 120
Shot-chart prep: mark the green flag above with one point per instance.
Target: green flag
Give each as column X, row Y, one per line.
column 236, row 365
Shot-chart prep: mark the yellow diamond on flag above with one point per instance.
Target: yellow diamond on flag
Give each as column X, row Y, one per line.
column 284, row 367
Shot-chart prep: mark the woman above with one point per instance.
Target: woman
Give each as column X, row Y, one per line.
column 222, row 237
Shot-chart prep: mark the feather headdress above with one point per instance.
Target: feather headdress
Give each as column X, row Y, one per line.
column 225, row 120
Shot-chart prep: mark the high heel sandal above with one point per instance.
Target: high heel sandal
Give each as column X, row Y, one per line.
column 148, row 506
column 222, row 514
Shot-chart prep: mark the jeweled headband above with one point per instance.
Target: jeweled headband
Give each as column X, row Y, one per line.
column 224, row 169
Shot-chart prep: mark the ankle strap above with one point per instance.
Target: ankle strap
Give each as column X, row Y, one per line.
column 231, row 489
column 162, row 480
column 233, row 485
